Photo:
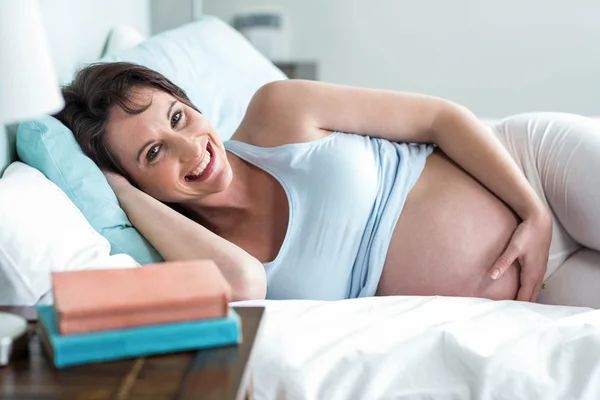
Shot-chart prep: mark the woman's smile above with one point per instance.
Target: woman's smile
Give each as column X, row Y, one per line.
column 204, row 167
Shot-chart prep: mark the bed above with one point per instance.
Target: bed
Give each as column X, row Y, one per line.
column 398, row 347
column 427, row 348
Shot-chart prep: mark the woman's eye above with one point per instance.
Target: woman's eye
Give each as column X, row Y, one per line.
column 175, row 119
column 153, row 152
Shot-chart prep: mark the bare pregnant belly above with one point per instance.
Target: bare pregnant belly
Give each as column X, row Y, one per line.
column 450, row 233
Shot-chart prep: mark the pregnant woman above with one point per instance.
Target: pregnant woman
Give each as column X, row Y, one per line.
column 332, row 192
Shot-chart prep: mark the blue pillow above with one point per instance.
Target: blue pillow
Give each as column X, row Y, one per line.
column 49, row 146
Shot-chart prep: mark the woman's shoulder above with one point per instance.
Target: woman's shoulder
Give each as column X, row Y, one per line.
column 271, row 119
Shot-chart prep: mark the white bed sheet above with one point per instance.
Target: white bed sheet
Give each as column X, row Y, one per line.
column 426, row 348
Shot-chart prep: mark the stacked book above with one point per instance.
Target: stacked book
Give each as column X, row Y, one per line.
column 102, row 315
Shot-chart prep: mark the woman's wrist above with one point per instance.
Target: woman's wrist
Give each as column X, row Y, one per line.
column 126, row 194
column 537, row 211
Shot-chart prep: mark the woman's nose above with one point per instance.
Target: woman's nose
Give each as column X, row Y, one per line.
column 188, row 148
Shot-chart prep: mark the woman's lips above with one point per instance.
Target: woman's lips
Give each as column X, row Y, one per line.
column 209, row 168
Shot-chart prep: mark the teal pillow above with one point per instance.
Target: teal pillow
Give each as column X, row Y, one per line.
column 219, row 70
column 49, row 146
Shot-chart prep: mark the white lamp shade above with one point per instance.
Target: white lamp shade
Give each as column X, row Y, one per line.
column 28, row 83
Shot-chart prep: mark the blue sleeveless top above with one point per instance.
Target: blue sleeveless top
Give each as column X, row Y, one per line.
column 345, row 194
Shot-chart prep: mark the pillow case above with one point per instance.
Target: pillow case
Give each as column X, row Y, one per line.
column 49, row 146
column 42, row 231
column 220, row 71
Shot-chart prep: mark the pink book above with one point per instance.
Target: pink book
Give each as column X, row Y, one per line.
column 169, row 292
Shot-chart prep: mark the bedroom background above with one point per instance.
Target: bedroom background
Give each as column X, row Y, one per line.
column 497, row 58
column 494, row 59
column 230, row 70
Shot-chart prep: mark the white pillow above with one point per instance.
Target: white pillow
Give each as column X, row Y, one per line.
column 213, row 63
column 122, row 38
column 43, row 231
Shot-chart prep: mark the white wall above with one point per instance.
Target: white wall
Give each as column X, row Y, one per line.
column 77, row 29
column 496, row 57
column 169, row 14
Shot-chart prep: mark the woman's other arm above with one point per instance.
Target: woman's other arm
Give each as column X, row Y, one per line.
column 177, row 237
column 309, row 109
column 302, row 111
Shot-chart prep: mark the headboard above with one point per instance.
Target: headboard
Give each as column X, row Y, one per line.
column 77, row 31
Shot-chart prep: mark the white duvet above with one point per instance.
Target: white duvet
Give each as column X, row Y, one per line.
column 426, row 348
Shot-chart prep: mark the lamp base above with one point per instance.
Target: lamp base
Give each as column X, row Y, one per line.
column 13, row 338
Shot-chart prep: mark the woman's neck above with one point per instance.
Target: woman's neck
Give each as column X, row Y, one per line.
column 222, row 211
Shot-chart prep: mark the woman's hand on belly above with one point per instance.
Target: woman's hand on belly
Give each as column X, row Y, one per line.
column 530, row 245
column 451, row 231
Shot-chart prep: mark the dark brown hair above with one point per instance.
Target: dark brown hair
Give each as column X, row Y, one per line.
column 95, row 90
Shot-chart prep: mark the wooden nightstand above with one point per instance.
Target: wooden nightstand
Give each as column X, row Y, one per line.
column 220, row 373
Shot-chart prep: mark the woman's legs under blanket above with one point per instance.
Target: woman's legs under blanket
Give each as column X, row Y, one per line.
column 560, row 156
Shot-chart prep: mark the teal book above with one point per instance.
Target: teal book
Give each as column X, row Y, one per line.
column 85, row 348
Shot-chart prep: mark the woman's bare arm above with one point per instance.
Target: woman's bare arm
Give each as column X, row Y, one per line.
column 177, row 237
column 300, row 111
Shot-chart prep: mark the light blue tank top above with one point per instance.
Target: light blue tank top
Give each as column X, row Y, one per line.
column 345, row 194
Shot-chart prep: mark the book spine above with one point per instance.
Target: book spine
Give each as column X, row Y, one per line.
column 102, row 322
column 115, row 345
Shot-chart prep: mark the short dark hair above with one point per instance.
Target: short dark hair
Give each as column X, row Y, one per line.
column 96, row 89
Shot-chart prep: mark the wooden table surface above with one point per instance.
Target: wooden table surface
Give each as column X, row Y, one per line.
column 211, row 374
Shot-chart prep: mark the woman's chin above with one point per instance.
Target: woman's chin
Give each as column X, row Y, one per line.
column 218, row 183
column 222, row 184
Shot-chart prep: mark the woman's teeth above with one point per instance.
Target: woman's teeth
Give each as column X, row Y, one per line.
column 198, row 171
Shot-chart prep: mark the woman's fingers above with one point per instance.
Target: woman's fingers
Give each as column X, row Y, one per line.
column 503, row 263
column 536, row 292
column 530, row 284
column 529, row 245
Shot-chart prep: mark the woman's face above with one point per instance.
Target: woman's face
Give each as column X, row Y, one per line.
column 170, row 150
